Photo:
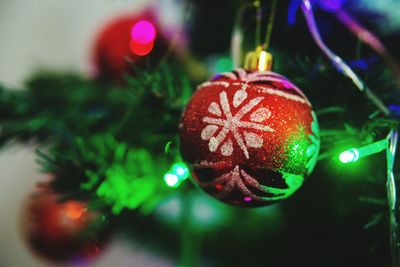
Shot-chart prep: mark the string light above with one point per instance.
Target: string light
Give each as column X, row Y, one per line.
column 143, row 35
column 176, row 175
column 350, row 155
column 143, row 32
column 141, row 49
column 171, row 180
column 337, row 61
column 354, row 154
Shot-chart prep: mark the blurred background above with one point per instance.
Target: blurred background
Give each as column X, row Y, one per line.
column 329, row 222
column 57, row 35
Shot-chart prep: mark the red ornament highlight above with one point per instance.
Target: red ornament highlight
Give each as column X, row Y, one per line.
column 249, row 137
column 62, row 232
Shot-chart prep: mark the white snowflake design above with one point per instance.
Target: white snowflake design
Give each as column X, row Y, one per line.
column 221, row 122
column 227, row 122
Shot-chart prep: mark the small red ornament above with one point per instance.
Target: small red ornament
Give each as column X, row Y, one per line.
column 128, row 40
column 62, row 232
column 249, row 137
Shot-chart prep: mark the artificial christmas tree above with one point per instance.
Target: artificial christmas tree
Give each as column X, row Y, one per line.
column 248, row 137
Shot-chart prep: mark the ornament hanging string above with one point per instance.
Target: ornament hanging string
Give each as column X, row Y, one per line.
column 392, row 137
column 237, row 34
column 270, row 25
column 257, row 5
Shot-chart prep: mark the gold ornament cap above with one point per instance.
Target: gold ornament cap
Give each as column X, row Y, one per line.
column 259, row 60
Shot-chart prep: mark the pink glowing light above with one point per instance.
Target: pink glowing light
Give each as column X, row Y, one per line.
column 247, row 199
column 143, row 32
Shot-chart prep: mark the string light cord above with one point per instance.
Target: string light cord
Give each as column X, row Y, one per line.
column 392, row 198
column 338, row 62
column 391, row 148
column 367, row 37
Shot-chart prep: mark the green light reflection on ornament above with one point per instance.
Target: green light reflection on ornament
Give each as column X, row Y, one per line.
column 293, row 181
column 313, row 149
column 296, row 151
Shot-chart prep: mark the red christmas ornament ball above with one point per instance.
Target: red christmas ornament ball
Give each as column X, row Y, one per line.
column 126, row 41
column 62, row 232
column 250, row 138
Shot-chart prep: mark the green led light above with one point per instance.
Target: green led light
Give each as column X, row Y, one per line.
column 350, row 155
column 180, row 170
column 171, row 180
column 354, row 154
column 178, row 173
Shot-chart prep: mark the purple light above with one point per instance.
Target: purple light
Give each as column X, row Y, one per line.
column 143, row 32
column 247, row 199
column 394, row 107
column 293, row 7
column 331, row 5
column 395, row 110
column 363, row 64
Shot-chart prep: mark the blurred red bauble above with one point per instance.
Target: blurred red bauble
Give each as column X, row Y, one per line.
column 137, row 40
column 62, row 232
column 250, row 138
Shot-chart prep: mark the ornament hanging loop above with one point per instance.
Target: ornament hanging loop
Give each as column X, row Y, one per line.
column 258, row 59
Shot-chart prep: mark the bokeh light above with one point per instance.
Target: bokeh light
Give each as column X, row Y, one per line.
column 143, row 32
column 178, row 173
column 143, row 35
column 171, row 179
column 141, row 49
column 180, row 170
column 74, row 209
column 331, row 5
